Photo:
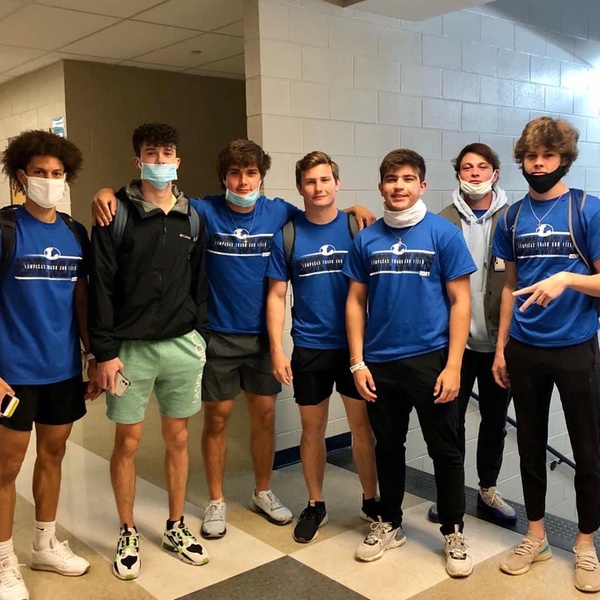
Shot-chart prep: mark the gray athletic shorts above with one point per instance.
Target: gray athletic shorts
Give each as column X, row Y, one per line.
column 236, row 362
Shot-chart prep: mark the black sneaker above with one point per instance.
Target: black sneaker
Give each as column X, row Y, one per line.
column 311, row 518
column 371, row 509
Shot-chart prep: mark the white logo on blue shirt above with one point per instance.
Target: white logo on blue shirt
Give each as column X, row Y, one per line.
column 51, row 264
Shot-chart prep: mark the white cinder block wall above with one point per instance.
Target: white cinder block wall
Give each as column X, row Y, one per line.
column 30, row 102
column 357, row 85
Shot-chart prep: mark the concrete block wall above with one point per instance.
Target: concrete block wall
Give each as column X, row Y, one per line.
column 357, row 85
column 30, row 102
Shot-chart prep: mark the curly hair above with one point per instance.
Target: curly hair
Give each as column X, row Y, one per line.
column 37, row 142
column 314, row 159
column 242, row 153
column 480, row 149
column 555, row 134
column 400, row 158
column 154, row 134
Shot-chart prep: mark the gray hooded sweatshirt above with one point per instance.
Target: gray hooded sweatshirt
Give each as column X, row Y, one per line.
column 477, row 234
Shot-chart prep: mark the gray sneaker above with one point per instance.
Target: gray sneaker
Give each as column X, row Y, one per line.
column 587, row 573
column 271, row 507
column 458, row 561
column 382, row 537
column 491, row 501
column 213, row 524
column 530, row 550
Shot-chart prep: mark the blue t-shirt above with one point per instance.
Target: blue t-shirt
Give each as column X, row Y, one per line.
column 237, row 252
column 320, row 288
column 39, row 335
column 408, row 306
column 543, row 251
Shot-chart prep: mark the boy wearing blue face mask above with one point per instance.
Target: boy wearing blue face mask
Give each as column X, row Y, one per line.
column 147, row 316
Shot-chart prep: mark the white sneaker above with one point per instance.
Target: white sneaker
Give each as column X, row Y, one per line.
column 12, row 586
column 180, row 540
column 269, row 505
column 127, row 562
column 382, row 537
column 59, row 558
column 213, row 524
column 458, row 561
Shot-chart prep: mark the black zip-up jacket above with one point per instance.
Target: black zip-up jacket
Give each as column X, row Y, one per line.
column 153, row 285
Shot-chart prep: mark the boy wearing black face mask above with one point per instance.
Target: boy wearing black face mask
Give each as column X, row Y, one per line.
column 548, row 336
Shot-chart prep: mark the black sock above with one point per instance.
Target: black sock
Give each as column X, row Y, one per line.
column 126, row 529
column 171, row 524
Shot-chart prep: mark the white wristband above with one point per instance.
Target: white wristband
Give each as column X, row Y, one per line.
column 358, row 366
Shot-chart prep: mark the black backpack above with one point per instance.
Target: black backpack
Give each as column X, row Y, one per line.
column 122, row 216
column 289, row 239
column 8, row 230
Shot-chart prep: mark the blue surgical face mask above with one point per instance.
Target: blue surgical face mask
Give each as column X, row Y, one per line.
column 159, row 175
column 243, row 201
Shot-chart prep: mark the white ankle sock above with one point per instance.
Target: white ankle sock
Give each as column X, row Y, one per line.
column 45, row 534
column 6, row 548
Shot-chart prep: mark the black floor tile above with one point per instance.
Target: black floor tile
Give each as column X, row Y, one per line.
column 281, row 579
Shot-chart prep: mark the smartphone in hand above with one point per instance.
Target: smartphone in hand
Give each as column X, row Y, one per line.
column 8, row 405
column 121, row 384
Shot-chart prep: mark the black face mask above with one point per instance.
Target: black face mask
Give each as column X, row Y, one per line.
column 542, row 183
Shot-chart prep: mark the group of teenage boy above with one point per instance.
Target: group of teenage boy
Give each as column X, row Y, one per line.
column 187, row 299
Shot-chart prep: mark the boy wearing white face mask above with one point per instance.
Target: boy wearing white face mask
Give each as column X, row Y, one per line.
column 43, row 303
column 407, row 317
column 147, row 321
column 478, row 204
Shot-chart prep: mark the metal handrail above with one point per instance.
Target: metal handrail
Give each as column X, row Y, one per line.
column 561, row 457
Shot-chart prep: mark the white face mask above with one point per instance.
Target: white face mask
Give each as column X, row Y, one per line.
column 476, row 191
column 46, row 193
column 405, row 218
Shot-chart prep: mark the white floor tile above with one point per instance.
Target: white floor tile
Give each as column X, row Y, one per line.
column 87, row 509
column 403, row 572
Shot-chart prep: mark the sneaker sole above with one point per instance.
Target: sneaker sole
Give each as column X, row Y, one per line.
column 539, row 558
column 314, row 537
column 128, row 577
column 499, row 516
column 587, row 589
column 390, row 546
column 213, row 536
column 459, row 575
column 262, row 513
column 182, row 557
column 51, row 569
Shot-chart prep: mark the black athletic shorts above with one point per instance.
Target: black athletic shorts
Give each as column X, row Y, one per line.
column 315, row 372
column 57, row 403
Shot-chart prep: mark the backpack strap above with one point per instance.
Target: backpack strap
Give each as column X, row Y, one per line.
column 511, row 217
column 120, row 221
column 289, row 241
column 352, row 225
column 70, row 223
column 194, row 223
column 578, row 227
column 8, row 230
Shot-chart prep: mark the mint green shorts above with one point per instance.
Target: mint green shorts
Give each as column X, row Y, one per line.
column 171, row 368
